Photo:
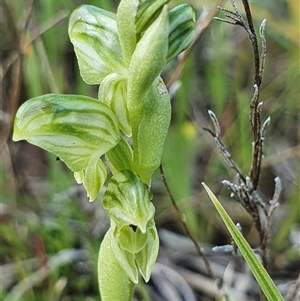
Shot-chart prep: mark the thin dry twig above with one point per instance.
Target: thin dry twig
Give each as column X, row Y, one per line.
column 4, row 67
column 294, row 290
column 199, row 250
column 274, row 203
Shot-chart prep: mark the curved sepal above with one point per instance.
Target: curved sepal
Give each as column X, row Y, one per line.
column 114, row 284
column 93, row 32
column 148, row 141
column 113, row 92
column 77, row 129
column 182, row 20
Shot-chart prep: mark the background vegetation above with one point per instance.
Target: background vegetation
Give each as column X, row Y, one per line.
column 50, row 233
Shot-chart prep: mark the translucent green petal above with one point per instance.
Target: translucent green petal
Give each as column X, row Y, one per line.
column 132, row 239
column 79, row 176
column 125, row 259
column 72, row 127
column 182, row 20
column 93, row 32
column 146, row 258
column 113, row 92
column 94, row 177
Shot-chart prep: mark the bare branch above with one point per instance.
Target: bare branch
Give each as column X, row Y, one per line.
column 215, row 122
column 263, row 48
column 263, row 128
column 199, row 250
column 226, row 156
column 249, row 27
column 274, row 203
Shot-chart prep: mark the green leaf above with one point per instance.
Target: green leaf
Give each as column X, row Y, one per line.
column 93, row 32
column 113, row 92
column 148, row 141
column 73, row 127
column 114, row 284
column 264, row 280
column 147, row 62
column 182, row 20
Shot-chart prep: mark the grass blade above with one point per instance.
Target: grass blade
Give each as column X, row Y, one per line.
column 264, row 280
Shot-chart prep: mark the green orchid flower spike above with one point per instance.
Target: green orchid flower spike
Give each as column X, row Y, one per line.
column 123, row 53
column 131, row 49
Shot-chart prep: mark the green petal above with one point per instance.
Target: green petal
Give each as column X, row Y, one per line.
column 113, row 92
column 125, row 259
column 146, row 258
column 182, row 20
column 131, row 238
column 73, row 127
column 93, row 32
column 79, row 176
column 94, row 177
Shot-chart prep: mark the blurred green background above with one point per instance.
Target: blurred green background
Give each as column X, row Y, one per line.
column 45, row 213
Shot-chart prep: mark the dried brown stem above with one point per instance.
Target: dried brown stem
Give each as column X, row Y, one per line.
column 186, row 229
column 246, row 191
column 253, row 38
